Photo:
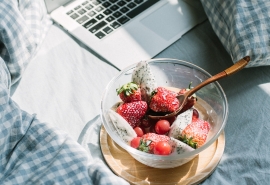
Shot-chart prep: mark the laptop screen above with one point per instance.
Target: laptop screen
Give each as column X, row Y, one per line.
column 53, row 4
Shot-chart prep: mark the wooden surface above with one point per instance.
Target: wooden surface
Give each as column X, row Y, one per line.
column 193, row 172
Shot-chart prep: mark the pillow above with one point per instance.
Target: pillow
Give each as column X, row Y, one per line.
column 243, row 27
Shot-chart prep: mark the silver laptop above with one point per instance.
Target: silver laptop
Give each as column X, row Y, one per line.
column 125, row 31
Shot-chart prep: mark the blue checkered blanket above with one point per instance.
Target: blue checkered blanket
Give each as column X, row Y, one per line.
column 31, row 152
column 243, row 27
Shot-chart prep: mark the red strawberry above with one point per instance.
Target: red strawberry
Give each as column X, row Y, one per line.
column 129, row 92
column 150, row 140
column 163, row 100
column 195, row 134
column 132, row 112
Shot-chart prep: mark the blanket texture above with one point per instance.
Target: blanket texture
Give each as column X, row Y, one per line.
column 31, row 151
column 243, row 27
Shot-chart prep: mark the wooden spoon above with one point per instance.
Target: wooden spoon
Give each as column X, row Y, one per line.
column 184, row 97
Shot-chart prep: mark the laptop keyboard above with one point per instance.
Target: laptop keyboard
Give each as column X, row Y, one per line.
column 102, row 17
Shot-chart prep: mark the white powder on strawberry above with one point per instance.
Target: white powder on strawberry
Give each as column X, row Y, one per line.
column 143, row 76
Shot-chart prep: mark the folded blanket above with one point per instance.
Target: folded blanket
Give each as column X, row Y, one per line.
column 243, row 27
column 23, row 26
column 31, row 151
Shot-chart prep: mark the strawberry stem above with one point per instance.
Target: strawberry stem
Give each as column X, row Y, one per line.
column 188, row 141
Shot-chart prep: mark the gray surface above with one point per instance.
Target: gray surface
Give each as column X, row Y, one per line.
column 245, row 159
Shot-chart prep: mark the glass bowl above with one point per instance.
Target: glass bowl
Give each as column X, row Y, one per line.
column 212, row 105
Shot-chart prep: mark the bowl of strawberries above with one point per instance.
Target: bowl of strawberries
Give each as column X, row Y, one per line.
column 151, row 88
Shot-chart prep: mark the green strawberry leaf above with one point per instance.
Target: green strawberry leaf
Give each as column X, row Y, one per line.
column 188, row 141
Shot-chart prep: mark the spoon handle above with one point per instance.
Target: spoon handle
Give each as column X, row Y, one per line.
column 231, row 70
column 238, row 66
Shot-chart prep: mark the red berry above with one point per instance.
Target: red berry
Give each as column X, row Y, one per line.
column 132, row 112
column 129, row 92
column 154, row 138
column 197, row 130
column 163, row 100
column 162, row 127
column 139, row 131
column 162, row 148
column 135, row 143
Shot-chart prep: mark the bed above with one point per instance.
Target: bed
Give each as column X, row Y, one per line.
column 56, row 98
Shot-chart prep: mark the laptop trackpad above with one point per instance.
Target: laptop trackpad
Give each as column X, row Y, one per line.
column 167, row 25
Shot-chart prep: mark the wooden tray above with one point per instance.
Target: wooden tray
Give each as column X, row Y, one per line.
column 193, row 172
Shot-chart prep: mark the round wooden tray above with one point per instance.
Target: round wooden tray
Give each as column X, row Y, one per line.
column 193, row 172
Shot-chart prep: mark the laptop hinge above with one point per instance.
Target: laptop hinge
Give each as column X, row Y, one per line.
column 53, row 4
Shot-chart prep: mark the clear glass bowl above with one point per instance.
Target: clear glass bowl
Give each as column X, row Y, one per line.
column 212, row 105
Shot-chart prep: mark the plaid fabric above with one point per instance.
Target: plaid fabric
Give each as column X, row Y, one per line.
column 23, row 25
column 243, row 26
column 30, row 151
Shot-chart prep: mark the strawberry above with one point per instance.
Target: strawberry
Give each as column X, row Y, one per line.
column 149, row 141
column 132, row 112
column 195, row 134
column 163, row 100
column 129, row 92
column 191, row 100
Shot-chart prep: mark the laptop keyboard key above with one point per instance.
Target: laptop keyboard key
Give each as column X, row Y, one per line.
column 74, row 16
column 124, row 9
column 97, row 27
column 85, row 2
column 121, row 3
column 69, row 12
column 123, row 19
column 96, row 2
column 131, row 5
column 89, row 7
column 100, row 35
column 100, row 16
column 110, row 19
column 100, row 8
column 107, row 30
column 133, row 13
column 77, row 7
column 138, row 1
column 82, row 19
column 114, row 7
column 115, row 25
column 90, row 23
column 107, row 12
column 92, row 13
column 117, row 14
column 106, row 4
column 81, row 11
column 113, row 1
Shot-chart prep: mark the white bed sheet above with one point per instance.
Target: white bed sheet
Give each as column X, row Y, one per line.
column 63, row 84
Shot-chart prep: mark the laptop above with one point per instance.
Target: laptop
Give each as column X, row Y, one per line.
column 124, row 32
